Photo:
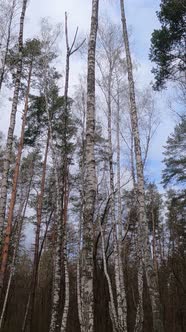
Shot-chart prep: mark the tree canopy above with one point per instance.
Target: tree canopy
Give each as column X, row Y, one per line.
column 168, row 49
column 175, row 159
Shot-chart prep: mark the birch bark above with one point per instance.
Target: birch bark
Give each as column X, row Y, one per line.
column 6, row 244
column 4, row 60
column 112, row 308
column 121, row 311
column 119, row 221
column 54, row 321
column 139, row 312
column 90, row 182
column 144, row 239
column 9, row 143
column 69, row 51
column 67, row 288
column 80, row 230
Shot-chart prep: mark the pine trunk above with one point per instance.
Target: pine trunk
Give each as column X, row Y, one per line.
column 144, row 238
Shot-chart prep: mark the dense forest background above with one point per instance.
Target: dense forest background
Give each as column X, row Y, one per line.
column 88, row 240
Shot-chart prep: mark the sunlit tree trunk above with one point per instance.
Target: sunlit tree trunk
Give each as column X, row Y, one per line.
column 144, row 239
column 90, row 182
column 9, row 143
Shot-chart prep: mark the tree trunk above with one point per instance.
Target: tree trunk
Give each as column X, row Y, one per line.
column 5, row 249
column 80, row 230
column 144, row 239
column 140, row 313
column 30, row 313
column 112, row 309
column 120, row 226
column 54, row 321
column 155, row 262
column 90, row 182
column 113, row 218
column 17, row 241
column 66, row 305
column 7, row 159
column 7, row 43
column 78, row 274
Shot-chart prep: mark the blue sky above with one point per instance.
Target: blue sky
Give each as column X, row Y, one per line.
column 142, row 20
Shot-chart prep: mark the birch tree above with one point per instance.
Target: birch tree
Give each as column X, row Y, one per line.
column 9, row 143
column 6, row 36
column 90, row 182
column 70, row 50
column 144, row 240
column 108, row 60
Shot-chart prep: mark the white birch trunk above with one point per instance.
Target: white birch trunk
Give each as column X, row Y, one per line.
column 119, row 278
column 80, row 229
column 90, row 182
column 4, row 58
column 67, row 292
column 8, row 231
column 9, row 143
column 120, row 226
column 78, row 282
column 112, row 308
column 144, row 239
column 54, row 321
column 69, row 51
column 139, row 313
